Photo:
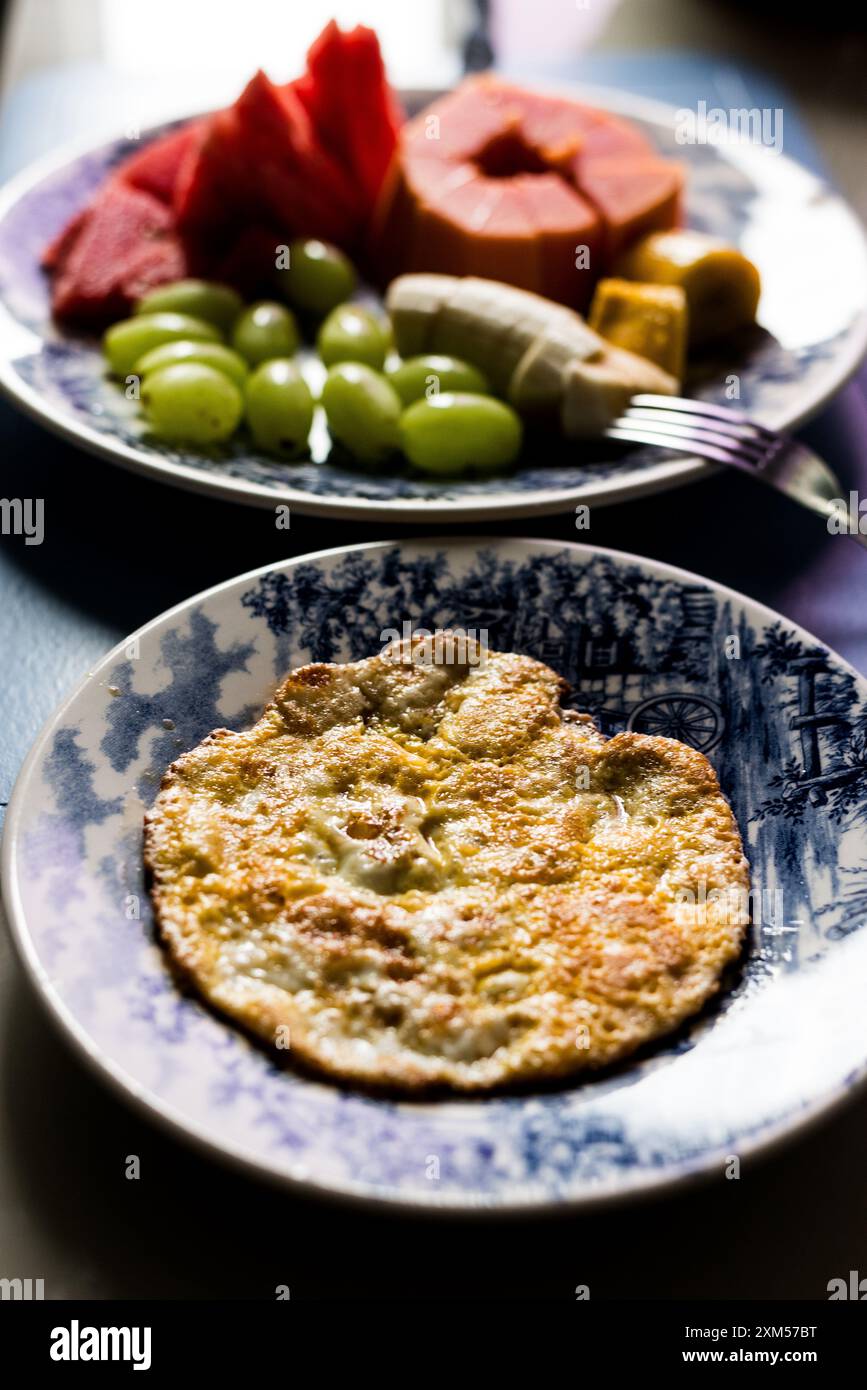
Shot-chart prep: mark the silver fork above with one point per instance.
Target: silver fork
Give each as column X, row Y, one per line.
column 728, row 436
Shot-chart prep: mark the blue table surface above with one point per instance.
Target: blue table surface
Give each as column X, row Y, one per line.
column 119, row 549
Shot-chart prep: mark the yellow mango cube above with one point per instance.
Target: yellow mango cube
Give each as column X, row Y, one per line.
column 649, row 320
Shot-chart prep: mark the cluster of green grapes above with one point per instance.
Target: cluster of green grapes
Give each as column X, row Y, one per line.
column 207, row 363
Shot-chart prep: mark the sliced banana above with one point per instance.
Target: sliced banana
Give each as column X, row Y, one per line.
column 486, row 323
column 499, row 323
column 537, row 383
column 540, row 355
column 595, row 393
column 413, row 303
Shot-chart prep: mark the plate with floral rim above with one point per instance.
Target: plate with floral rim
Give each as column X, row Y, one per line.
column 811, row 336
column 644, row 646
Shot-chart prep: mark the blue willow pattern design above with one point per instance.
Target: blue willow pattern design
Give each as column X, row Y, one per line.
column 641, row 650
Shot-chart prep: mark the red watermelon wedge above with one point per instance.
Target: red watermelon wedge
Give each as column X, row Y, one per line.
column 155, row 169
column 353, row 110
column 248, row 260
column 124, row 245
column 298, row 179
column 56, row 252
column 219, row 195
column 260, row 161
column 213, row 178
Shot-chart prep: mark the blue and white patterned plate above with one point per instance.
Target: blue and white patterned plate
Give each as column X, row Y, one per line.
column 808, row 245
column 646, row 647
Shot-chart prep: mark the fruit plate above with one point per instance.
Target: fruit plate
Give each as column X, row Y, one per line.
column 646, row 647
column 807, row 243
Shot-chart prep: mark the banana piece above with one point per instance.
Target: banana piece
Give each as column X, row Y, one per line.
column 541, row 356
column 476, row 318
column 484, row 322
column 492, row 325
column 595, row 393
column 536, row 385
column 413, row 303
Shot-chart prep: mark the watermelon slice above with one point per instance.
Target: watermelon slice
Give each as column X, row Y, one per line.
column 213, row 177
column 350, row 105
column 155, row 169
column 56, row 252
column 156, row 262
column 299, row 181
column 125, row 244
column 259, row 161
column 220, row 194
column 248, row 261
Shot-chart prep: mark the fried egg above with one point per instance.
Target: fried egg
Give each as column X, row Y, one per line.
column 415, row 871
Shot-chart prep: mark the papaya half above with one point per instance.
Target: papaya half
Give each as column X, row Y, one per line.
column 536, row 190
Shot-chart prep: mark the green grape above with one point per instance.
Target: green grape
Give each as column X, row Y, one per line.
column 459, row 430
column 363, row 411
column 124, row 343
column 420, row 377
column 353, row 334
column 318, row 277
column 190, row 403
column 279, row 407
column 265, row 330
column 215, row 355
column 217, row 304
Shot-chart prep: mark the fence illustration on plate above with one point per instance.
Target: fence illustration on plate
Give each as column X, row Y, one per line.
column 808, row 721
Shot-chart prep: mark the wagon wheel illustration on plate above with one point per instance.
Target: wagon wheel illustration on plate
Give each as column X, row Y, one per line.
column 694, row 719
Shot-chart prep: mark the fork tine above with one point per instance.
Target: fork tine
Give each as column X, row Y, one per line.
column 702, row 408
column 726, row 430
column 638, row 434
column 747, row 451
